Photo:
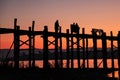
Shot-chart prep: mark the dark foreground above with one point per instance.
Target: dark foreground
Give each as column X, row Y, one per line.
column 54, row 74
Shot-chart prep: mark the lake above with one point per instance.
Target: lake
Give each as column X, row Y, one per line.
column 39, row 63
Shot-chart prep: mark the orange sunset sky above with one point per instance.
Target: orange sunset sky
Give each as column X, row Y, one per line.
column 103, row 14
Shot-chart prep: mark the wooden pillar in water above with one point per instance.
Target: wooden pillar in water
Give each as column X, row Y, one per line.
column 83, row 49
column 68, row 52
column 119, row 54
column 56, row 48
column 45, row 47
column 112, row 55
column 87, row 54
column 72, row 64
column 95, row 48
column 16, row 44
column 33, row 45
column 78, row 49
column 104, row 50
column 61, row 55
column 29, row 35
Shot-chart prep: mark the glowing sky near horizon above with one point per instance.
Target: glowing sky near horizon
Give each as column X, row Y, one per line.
column 103, row 14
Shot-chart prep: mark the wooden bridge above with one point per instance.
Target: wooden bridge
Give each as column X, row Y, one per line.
column 82, row 50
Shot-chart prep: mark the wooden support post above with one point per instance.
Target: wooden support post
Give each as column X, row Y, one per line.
column 33, row 45
column 119, row 54
column 16, row 44
column 30, row 38
column 61, row 55
column 78, row 49
column 67, row 42
column 83, row 49
column 56, row 49
column 95, row 48
column 87, row 54
column 104, row 50
column 45, row 47
column 112, row 55
column 72, row 64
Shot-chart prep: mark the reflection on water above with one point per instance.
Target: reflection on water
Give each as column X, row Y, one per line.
column 39, row 63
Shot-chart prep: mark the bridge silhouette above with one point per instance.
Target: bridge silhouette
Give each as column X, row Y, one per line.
column 73, row 38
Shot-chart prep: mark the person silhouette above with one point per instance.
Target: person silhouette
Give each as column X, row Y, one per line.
column 74, row 27
column 56, row 26
column 45, row 28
